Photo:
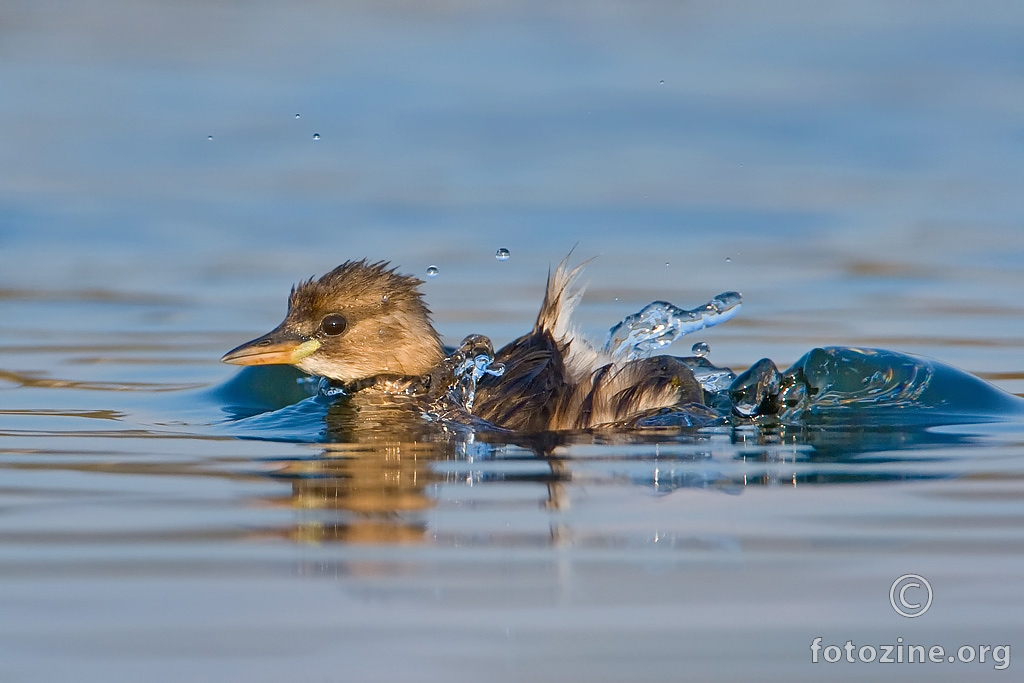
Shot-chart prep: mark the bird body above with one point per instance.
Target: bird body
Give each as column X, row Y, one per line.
column 555, row 379
column 363, row 321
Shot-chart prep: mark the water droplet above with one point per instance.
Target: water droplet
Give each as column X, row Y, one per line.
column 616, row 298
column 700, row 349
column 503, row 254
column 432, row 271
column 667, row 264
column 209, row 137
column 728, row 260
column 298, row 116
column 661, row 82
column 316, row 136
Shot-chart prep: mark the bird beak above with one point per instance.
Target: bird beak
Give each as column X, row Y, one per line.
column 277, row 347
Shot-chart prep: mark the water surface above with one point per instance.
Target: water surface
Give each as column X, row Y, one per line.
column 855, row 174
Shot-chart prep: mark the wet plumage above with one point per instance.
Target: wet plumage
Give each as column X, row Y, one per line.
column 364, row 321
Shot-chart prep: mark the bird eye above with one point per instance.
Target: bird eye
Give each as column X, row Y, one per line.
column 333, row 324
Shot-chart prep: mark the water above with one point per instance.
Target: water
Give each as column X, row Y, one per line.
column 166, row 517
column 659, row 324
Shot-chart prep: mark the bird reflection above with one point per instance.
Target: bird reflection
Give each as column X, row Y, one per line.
column 375, row 480
column 370, row 483
column 363, row 493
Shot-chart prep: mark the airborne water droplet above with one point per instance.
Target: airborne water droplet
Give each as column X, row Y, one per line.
column 728, row 260
column 432, row 271
column 661, row 82
column 298, row 116
column 503, row 254
column 700, row 349
column 209, row 137
column 316, row 136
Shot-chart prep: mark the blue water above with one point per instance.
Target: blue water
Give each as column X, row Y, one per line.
column 854, row 171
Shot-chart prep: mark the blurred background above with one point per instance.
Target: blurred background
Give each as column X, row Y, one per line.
column 169, row 169
column 861, row 158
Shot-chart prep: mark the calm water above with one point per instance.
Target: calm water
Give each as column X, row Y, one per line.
column 856, row 173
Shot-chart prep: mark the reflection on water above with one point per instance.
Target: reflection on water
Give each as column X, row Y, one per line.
column 856, row 174
column 363, row 494
column 838, row 416
column 384, row 463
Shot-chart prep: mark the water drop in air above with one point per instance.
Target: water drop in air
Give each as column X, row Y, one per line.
column 209, row 137
column 316, row 136
column 661, row 82
column 503, row 254
column 432, row 271
column 298, row 116
column 667, row 264
column 700, row 349
column 728, row 260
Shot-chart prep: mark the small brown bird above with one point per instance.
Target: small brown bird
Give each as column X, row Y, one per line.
column 365, row 325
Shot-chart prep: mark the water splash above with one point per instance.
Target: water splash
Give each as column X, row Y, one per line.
column 660, row 323
column 329, row 388
column 713, row 380
column 756, row 391
column 844, row 386
column 460, row 372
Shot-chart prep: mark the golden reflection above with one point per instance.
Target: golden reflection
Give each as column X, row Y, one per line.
column 370, row 484
column 375, row 481
column 360, row 493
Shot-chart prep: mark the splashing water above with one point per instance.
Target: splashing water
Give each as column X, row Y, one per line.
column 460, row 372
column 712, row 379
column 329, row 388
column 660, row 323
column 755, row 391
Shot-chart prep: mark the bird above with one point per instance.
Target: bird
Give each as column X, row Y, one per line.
column 367, row 326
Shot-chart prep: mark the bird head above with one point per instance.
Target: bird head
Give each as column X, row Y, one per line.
column 358, row 321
